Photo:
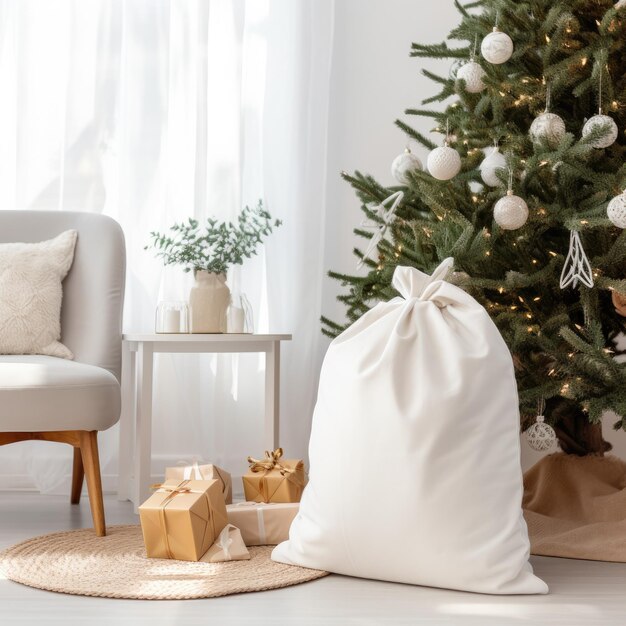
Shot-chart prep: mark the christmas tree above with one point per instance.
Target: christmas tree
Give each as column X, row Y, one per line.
column 534, row 225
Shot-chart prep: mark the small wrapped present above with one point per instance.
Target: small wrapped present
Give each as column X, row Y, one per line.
column 182, row 519
column 229, row 546
column 194, row 471
column 263, row 524
column 274, row 479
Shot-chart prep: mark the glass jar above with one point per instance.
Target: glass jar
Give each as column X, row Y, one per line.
column 172, row 317
column 240, row 318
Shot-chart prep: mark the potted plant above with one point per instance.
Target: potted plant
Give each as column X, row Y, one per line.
column 209, row 251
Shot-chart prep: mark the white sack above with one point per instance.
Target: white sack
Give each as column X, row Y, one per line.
column 415, row 459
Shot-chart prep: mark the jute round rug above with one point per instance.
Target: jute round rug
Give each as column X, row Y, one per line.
column 115, row 566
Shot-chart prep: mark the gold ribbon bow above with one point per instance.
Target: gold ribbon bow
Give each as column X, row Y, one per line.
column 270, row 462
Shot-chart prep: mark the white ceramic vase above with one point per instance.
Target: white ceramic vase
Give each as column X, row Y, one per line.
column 208, row 300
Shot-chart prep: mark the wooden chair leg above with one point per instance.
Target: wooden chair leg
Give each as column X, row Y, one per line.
column 78, row 474
column 91, row 465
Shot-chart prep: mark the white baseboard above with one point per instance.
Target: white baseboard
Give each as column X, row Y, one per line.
column 16, row 482
column 10, row 480
column 24, row 482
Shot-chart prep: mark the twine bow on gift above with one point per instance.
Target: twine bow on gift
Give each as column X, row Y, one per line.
column 173, row 491
column 270, row 462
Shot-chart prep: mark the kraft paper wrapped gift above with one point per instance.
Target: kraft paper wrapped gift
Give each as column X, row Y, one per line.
column 263, row 524
column 274, row 479
column 182, row 519
column 229, row 546
column 194, row 471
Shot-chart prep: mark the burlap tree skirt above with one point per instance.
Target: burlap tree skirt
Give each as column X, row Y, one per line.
column 575, row 507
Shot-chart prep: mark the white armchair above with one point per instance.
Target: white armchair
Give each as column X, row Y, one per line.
column 54, row 399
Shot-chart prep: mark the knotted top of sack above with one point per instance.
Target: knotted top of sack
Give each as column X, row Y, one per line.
column 411, row 283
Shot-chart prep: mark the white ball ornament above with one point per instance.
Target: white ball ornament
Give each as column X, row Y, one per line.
column 472, row 73
column 489, row 167
column 541, row 436
column 510, row 212
column 444, row 163
column 549, row 127
column 599, row 121
column 616, row 210
column 403, row 164
column 496, row 47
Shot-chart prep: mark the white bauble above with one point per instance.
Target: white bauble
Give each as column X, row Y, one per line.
column 548, row 126
column 497, row 47
column 472, row 73
column 616, row 210
column 403, row 164
column 444, row 163
column 601, row 120
column 541, row 436
column 488, row 168
column 510, row 212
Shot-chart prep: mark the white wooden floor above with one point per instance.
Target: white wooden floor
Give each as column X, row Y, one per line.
column 582, row 592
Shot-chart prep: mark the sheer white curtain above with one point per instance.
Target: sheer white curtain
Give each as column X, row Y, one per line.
column 153, row 111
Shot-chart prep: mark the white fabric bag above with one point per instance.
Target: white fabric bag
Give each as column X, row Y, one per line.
column 415, row 457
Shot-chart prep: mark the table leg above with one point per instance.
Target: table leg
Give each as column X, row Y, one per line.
column 143, row 430
column 271, row 433
column 127, row 421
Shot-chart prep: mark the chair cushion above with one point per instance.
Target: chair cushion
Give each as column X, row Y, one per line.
column 44, row 393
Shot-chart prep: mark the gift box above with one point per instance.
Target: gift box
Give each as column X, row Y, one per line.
column 229, row 546
column 274, row 479
column 262, row 524
column 182, row 519
column 194, row 471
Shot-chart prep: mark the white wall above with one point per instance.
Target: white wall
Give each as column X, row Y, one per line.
column 373, row 81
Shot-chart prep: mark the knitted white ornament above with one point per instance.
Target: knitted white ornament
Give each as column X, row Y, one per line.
column 549, row 127
column 616, row 210
column 510, row 212
column 599, row 121
column 497, row 47
column 541, row 436
column 403, row 164
column 493, row 162
column 444, row 163
column 472, row 73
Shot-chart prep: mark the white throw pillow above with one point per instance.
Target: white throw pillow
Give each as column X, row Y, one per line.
column 31, row 294
column 415, row 458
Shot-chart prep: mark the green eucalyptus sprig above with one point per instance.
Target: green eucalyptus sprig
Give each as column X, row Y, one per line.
column 216, row 246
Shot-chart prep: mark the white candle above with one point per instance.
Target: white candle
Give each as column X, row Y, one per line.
column 171, row 323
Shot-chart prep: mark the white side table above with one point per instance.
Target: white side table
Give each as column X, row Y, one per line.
column 137, row 380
